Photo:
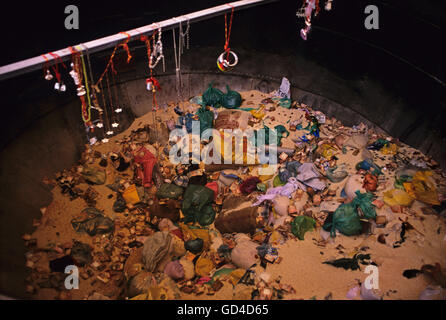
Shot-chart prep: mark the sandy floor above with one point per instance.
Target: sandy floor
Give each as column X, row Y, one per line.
column 301, row 265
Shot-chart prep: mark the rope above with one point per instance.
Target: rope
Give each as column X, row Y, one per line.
column 86, row 87
column 105, row 106
column 155, row 83
column 95, row 99
column 228, row 34
column 115, row 90
column 109, row 97
column 177, row 64
column 80, row 73
column 46, row 65
column 93, row 91
column 116, row 114
column 126, row 47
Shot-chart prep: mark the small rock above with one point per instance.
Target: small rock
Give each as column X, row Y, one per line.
column 316, row 200
column 382, row 238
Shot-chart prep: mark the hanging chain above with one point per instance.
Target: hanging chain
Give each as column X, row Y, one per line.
column 178, row 81
column 184, row 35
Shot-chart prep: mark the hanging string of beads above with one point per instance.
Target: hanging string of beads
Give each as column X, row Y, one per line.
column 184, row 35
column 95, row 104
column 223, row 62
column 78, row 74
column 110, row 63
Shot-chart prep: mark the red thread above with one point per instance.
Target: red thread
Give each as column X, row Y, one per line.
column 126, row 47
column 110, row 61
column 46, row 65
column 228, row 32
column 55, row 66
column 317, row 7
column 56, row 57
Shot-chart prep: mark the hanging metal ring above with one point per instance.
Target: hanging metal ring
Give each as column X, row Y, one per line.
column 224, row 64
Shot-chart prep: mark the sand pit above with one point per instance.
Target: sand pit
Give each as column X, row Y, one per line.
column 301, row 261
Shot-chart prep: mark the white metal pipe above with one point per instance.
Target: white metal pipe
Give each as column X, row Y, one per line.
column 36, row 63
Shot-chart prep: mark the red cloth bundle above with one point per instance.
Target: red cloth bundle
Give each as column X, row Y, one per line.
column 147, row 161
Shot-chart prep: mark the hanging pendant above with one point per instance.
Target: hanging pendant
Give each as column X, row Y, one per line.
column 60, row 87
column 75, row 77
column 152, row 84
column 225, row 65
column 105, row 140
column 115, row 124
column 118, row 110
column 109, row 133
column 93, row 140
column 81, row 91
column 100, row 125
column 48, row 76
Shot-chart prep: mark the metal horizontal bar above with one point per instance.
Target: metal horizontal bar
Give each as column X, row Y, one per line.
column 36, row 63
